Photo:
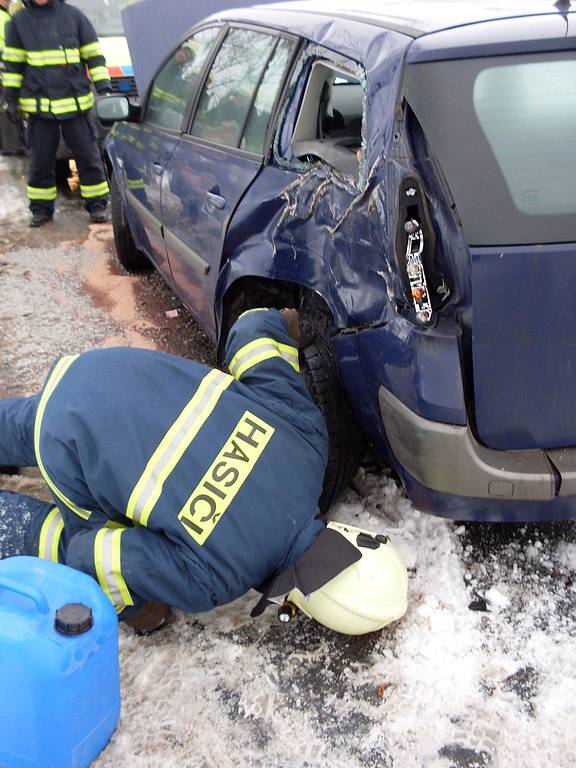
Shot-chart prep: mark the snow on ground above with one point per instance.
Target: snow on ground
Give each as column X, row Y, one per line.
column 446, row 686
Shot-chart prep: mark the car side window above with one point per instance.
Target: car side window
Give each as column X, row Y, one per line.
column 230, row 92
column 329, row 124
column 176, row 83
column 254, row 136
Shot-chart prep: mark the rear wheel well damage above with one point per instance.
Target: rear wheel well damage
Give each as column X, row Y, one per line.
column 319, row 365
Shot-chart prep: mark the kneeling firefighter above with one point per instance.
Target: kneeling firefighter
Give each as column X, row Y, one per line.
column 178, row 485
column 49, row 49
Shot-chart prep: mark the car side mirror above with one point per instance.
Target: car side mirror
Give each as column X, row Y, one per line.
column 113, row 109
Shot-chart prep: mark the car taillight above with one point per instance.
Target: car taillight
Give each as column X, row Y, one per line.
column 425, row 288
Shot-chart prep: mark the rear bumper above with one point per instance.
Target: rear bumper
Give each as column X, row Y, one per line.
column 446, row 458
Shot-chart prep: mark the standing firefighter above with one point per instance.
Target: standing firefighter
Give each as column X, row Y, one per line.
column 179, row 485
column 49, row 46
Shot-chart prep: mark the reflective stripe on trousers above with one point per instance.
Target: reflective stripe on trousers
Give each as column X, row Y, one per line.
column 94, row 190
column 108, row 563
column 173, row 445
column 50, row 534
column 41, row 193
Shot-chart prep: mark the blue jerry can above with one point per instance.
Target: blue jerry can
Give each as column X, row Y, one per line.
column 59, row 671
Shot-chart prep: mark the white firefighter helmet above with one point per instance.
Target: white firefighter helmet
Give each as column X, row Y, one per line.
column 365, row 596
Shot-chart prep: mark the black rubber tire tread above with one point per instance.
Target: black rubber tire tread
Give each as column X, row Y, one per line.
column 347, row 443
column 128, row 253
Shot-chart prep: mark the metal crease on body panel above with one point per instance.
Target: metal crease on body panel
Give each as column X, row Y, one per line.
column 363, row 190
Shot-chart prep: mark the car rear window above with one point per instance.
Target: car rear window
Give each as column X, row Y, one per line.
column 503, row 132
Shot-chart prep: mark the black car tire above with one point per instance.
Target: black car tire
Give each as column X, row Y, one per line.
column 128, row 253
column 347, row 444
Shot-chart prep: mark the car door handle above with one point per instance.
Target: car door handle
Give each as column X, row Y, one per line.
column 157, row 169
column 217, row 200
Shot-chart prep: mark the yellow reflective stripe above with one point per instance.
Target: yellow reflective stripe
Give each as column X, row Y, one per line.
column 252, row 311
column 99, row 73
column 173, row 445
column 12, row 79
column 259, row 350
column 50, row 534
column 170, row 98
column 86, row 101
column 135, row 184
column 228, row 472
column 108, row 562
column 55, row 377
column 16, row 55
column 90, row 50
column 58, row 106
column 28, row 105
column 94, row 190
column 72, row 55
column 53, row 58
column 42, row 193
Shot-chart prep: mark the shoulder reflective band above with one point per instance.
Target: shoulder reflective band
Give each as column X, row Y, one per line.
column 94, row 190
column 90, row 50
column 259, row 350
column 224, row 478
column 16, row 55
column 173, row 445
column 41, row 193
column 108, row 563
column 50, row 533
column 12, row 80
column 55, row 377
column 99, row 73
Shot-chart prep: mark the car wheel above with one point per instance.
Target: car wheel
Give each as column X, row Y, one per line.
column 347, row 443
column 128, row 253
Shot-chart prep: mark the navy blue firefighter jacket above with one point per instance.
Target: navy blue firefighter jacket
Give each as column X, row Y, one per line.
column 178, row 483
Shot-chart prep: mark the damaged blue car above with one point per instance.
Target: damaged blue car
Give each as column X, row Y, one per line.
column 404, row 173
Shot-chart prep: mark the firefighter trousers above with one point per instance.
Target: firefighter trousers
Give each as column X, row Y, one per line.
column 79, row 134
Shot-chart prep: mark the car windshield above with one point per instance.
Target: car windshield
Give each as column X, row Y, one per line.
column 104, row 14
column 502, row 131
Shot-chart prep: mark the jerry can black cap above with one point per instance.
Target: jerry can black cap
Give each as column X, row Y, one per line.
column 73, row 619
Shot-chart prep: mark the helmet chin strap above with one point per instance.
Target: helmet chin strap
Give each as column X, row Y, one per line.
column 327, row 556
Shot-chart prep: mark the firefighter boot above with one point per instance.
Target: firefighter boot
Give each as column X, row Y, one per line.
column 149, row 618
column 39, row 218
column 98, row 215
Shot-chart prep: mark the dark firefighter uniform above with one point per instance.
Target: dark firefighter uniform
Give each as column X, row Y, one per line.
column 48, row 51
column 173, row 482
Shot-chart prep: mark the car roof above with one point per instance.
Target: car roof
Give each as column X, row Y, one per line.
column 411, row 17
